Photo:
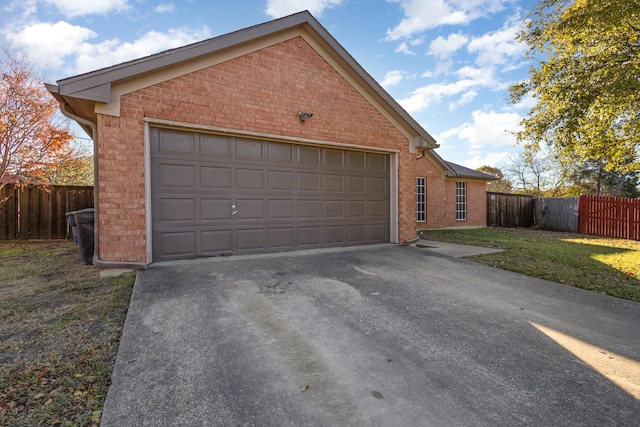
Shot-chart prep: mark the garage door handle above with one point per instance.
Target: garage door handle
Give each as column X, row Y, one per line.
column 234, row 212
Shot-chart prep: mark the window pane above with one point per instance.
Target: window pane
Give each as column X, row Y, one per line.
column 421, row 199
column 461, row 200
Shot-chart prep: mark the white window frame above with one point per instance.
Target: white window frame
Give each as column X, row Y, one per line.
column 421, row 199
column 461, row 200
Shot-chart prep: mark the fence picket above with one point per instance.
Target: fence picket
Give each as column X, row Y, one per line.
column 36, row 213
column 610, row 217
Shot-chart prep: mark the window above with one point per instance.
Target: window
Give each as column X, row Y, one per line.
column 421, row 199
column 461, row 200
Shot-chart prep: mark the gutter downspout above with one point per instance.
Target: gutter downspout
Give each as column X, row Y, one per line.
column 96, row 235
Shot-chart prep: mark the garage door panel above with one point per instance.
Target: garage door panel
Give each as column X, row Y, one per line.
column 218, row 195
column 308, row 156
column 377, row 185
column 176, row 143
column 247, row 149
column 216, row 177
column 249, row 179
column 333, row 158
column 333, row 208
column 281, row 153
column 308, row 181
column 214, row 242
column 249, row 209
column 356, row 184
column 379, row 232
column 214, row 146
column 333, row 183
column 216, row 209
column 334, row 234
column 309, row 236
column 282, row 237
column 177, row 210
column 309, row 209
column 280, row 180
column 176, row 176
column 356, row 209
column 356, row 160
column 357, row 233
column 178, row 244
column 249, row 239
column 377, row 162
column 377, row 209
column 281, row 209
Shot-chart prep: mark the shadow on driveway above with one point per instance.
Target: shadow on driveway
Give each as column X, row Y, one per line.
column 381, row 335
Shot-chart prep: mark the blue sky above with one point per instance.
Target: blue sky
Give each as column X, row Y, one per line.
column 449, row 63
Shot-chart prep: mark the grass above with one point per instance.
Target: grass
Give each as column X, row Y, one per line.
column 60, row 327
column 604, row 265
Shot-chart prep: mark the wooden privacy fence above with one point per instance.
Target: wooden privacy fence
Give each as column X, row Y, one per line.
column 557, row 214
column 610, row 217
column 35, row 213
column 510, row 210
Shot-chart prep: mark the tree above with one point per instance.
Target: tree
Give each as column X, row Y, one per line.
column 501, row 185
column 585, row 79
column 34, row 139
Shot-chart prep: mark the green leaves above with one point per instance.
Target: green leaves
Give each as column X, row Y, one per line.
column 586, row 80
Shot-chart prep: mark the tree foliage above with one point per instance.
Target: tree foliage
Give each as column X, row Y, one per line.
column 585, row 79
column 549, row 174
column 501, row 185
column 34, row 140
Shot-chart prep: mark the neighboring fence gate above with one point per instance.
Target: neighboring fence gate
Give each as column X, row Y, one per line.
column 557, row 214
column 610, row 217
column 510, row 210
column 36, row 213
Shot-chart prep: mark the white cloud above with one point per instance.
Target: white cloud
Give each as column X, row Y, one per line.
column 431, row 94
column 444, row 48
column 488, row 129
column 165, row 8
column 404, row 48
column 279, row 8
column 392, row 78
column 497, row 47
column 491, row 158
column 68, row 48
column 465, row 99
column 422, row 15
column 71, row 8
column 94, row 56
column 47, row 44
column 470, row 79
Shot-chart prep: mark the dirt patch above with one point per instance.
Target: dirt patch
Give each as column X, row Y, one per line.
column 60, row 326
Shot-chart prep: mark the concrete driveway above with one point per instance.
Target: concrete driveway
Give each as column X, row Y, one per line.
column 372, row 336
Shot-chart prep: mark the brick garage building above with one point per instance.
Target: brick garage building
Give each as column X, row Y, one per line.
column 268, row 139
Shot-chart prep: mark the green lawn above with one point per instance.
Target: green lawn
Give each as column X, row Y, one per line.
column 607, row 266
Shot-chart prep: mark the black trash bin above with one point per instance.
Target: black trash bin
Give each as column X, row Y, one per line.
column 85, row 225
column 72, row 222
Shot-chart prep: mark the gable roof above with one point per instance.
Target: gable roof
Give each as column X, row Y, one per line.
column 463, row 172
column 81, row 92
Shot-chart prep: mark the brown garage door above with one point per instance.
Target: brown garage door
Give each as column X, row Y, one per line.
column 219, row 195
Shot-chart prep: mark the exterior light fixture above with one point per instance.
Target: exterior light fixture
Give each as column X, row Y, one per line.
column 303, row 116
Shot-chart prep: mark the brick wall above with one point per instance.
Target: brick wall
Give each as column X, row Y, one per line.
column 441, row 199
column 259, row 92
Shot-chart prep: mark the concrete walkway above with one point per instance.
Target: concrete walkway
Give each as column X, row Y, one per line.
column 454, row 249
column 382, row 335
